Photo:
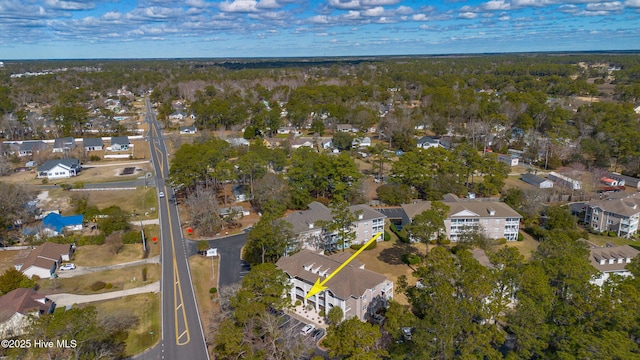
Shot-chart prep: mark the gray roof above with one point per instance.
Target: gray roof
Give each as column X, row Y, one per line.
column 351, row 281
column 533, row 179
column 428, row 140
column 482, row 209
column 50, row 164
column 92, row 142
column 613, row 252
column 64, row 142
column 302, row 220
column 120, row 140
column 619, row 204
column 629, row 180
column 33, row 145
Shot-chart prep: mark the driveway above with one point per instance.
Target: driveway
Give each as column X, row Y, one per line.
column 82, row 270
column 232, row 268
column 70, row 299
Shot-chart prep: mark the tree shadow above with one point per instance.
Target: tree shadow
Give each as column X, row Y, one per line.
column 393, row 255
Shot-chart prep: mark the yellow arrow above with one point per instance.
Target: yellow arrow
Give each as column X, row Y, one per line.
column 319, row 286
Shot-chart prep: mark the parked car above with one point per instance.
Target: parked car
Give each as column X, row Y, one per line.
column 161, row 194
column 68, row 266
column 307, row 329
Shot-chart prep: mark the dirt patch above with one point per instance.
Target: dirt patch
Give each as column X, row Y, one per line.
column 208, row 305
column 99, row 255
column 8, row 258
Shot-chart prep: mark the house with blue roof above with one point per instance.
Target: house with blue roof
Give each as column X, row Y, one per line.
column 58, row 223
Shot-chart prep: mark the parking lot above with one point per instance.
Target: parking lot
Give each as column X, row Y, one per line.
column 296, row 326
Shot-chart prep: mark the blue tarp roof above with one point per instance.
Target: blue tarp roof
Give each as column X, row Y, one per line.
column 57, row 222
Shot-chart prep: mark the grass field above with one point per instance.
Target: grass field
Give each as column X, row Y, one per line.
column 125, row 278
column 602, row 240
column 146, row 308
column 7, row 258
column 99, row 255
column 200, row 267
column 139, row 201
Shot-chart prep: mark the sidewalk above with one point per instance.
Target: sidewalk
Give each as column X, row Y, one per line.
column 82, row 270
column 70, row 299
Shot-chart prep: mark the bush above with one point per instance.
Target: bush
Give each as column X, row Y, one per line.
column 98, row 285
column 95, row 158
column 144, row 273
column 444, row 241
column 213, row 290
column 108, row 286
column 370, row 247
column 65, row 187
column 612, row 234
column 90, row 240
column 132, row 237
column 402, row 234
column 387, row 236
column 520, row 237
column 501, row 241
column 410, row 259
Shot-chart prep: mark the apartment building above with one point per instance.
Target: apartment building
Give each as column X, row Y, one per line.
column 619, row 212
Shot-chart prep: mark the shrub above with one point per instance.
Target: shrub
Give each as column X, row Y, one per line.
column 387, row 236
column 402, row 234
column 612, row 234
column 132, row 237
column 520, row 237
column 108, row 286
column 95, row 158
column 79, row 185
column 371, row 246
column 410, row 259
column 65, row 187
column 98, row 285
column 144, row 273
column 90, row 240
column 501, row 241
column 213, row 290
column 444, row 241
column 298, row 302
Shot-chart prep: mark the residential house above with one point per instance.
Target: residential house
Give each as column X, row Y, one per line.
column 426, row 142
column 43, row 260
column 611, row 182
column 273, row 143
column 65, row 144
column 58, row 223
column 238, row 141
column 624, row 180
column 235, row 212
column 300, row 142
column 28, row 148
column 120, row 143
column 92, row 144
column 537, row 181
column 346, row 128
column 177, row 115
column 18, row 308
column 492, row 218
column 358, row 292
column 326, row 143
column 188, row 130
column 565, row 181
column 310, row 234
column 510, row 160
column 59, row 169
column 611, row 260
column 361, row 142
column 619, row 213
column 238, row 193
column 288, row 130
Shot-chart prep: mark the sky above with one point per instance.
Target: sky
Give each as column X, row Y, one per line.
column 85, row 29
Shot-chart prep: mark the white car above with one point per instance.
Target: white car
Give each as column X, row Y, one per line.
column 307, row 329
column 161, row 194
column 68, row 266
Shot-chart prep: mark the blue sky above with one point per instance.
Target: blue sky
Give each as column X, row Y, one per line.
column 59, row 29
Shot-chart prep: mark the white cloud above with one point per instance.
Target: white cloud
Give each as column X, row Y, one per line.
column 379, row 2
column 495, row 5
column 242, row 6
column 319, row 19
column 504, row 18
column 632, row 3
column 468, row 15
column 154, row 13
column 376, row 11
column 112, row 15
column 605, row 6
column 196, row 3
column 69, row 5
column 268, row 4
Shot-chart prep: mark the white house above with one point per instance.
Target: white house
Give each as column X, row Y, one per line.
column 92, row 144
column 59, row 169
column 188, row 130
column 361, row 142
column 120, row 143
column 510, row 160
column 64, row 144
column 346, row 128
column 611, row 260
column 426, row 142
column 358, row 292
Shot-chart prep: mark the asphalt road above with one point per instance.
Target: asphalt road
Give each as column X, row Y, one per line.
column 232, row 268
column 182, row 335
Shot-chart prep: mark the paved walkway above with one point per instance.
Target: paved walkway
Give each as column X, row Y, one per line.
column 70, row 299
column 145, row 222
column 82, row 270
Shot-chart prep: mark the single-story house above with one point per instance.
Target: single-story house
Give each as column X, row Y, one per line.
column 59, row 169
column 238, row 141
column 177, row 115
column 64, row 144
column 28, row 148
column 361, row 142
column 235, row 211
column 59, row 223
column 537, row 181
column 346, row 128
column 18, row 307
column 326, row 143
column 288, row 130
column 92, row 144
column 300, row 142
column 426, row 142
column 358, row 292
column 43, row 260
column 273, row 143
column 611, row 260
column 188, row 130
column 510, row 160
column 238, row 193
column 120, row 143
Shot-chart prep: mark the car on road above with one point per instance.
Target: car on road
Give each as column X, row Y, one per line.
column 161, row 194
column 307, row 329
column 68, row 266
